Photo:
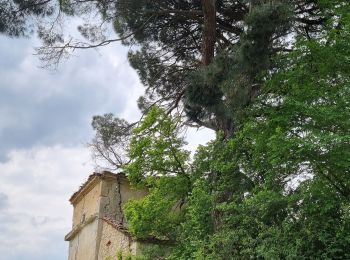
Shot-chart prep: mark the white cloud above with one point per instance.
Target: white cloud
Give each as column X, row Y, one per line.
column 36, row 185
column 195, row 137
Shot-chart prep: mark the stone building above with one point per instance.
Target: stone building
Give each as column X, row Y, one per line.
column 99, row 228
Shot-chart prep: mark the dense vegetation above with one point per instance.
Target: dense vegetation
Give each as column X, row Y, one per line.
column 272, row 78
column 278, row 189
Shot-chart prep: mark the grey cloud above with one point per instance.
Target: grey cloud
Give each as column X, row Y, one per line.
column 38, row 107
column 12, row 52
column 3, row 201
column 38, row 183
column 37, row 221
column 7, row 223
column 15, row 247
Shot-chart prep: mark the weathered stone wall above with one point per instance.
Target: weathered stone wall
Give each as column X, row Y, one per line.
column 83, row 244
column 108, row 198
column 99, row 226
column 87, row 205
column 113, row 241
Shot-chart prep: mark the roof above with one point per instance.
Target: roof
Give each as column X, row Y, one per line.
column 116, row 225
column 92, row 180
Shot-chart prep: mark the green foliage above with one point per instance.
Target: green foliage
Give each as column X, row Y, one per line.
column 155, row 149
column 158, row 163
column 197, row 225
column 153, row 251
column 294, row 149
column 120, row 255
column 264, row 23
column 280, row 187
column 158, row 214
column 302, row 118
column 230, row 83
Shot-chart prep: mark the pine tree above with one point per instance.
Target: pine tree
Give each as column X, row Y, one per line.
column 178, row 41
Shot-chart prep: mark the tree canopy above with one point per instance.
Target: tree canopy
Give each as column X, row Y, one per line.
column 279, row 188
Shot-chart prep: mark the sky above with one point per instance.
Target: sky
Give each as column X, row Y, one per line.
column 45, row 119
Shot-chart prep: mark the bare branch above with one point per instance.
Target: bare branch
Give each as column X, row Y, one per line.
column 52, row 54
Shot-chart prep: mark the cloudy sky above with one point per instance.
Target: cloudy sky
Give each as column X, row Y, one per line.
column 44, row 127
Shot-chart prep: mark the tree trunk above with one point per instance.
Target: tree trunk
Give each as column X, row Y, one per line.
column 209, row 31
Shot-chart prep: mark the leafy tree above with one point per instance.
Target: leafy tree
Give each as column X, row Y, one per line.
column 160, row 164
column 293, row 149
column 278, row 189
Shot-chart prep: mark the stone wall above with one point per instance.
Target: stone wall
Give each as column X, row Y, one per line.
column 87, row 205
column 82, row 245
column 99, row 229
column 115, row 241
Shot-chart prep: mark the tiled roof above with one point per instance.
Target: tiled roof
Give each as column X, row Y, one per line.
column 116, row 225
